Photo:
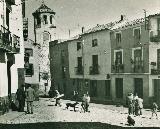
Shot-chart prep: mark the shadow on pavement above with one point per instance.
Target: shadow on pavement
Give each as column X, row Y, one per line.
column 67, row 125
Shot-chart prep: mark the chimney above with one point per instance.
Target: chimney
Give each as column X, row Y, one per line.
column 83, row 29
column 123, row 17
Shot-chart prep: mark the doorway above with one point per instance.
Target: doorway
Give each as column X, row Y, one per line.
column 157, row 90
column 9, row 64
column 138, row 87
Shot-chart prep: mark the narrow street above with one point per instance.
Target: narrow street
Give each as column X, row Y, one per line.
column 45, row 111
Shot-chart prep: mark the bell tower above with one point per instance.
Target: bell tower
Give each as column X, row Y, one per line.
column 44, row 32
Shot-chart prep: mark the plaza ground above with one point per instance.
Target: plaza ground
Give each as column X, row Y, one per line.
column 46, row 112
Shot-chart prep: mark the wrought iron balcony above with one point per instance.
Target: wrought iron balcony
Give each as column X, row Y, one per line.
column 118, row 68
column 10, row 2
column 138, row 68
column 155, row 71
column 93, row 70
column 79, row 70
column 155, row 38
column 7, row 42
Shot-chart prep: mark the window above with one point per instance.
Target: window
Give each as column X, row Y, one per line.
column 38, row 20
column 94, row 69
column 7, row 17
column 119, row 87
column 29, row 51
column 118, row 37
column 79, row 68
column 95, row 60
column 118, row 58
column 158, row 26
column 137, row 34
column 29, row 71
column 108, row 88
column 79, row 45
column 79, row 60
column 45, row 19
column 93, row 88
column 94, row 42
column 158, row 59
column 46, row 36
column 137, row 57
column 51, row 18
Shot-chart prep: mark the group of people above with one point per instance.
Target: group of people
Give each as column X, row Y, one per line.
column 135, row 104
column 85, row 99
column 22, row 95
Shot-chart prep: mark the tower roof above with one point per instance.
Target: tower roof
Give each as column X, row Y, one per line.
column 43, row 9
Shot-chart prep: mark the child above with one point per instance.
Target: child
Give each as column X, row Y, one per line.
column 154, row 109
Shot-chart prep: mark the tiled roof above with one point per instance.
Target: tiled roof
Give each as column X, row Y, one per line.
column 43, row 9
column 128, row 23
column 115, row 25
column 102, row 27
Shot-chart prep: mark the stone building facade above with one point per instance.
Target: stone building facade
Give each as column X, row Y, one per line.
column 12, row 51
column 59, row 66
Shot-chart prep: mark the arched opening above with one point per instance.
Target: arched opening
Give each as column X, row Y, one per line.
column 45, row 19
column 51, row 19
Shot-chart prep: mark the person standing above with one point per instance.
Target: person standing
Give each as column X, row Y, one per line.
column 140, row 103
column 87, row 102
column 136, row 107
column 21, row 98
column 30, row 96
column 154, row 109
column 58, row 100
column 84, row 102
column 130, row 103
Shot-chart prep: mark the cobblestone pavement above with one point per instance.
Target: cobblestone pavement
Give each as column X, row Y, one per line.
column 45, row 111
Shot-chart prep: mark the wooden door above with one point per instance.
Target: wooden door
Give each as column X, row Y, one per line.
column 157, row 90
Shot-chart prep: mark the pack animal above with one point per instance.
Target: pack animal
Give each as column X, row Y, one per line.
column 72, row 105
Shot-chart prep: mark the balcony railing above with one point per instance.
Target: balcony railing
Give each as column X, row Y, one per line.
column 155, row 71
column 94, row 70
column 10, row 2
column 7, row 42
column 138, row 67
column 79, row 70
column 118, row 68
column 155, row 38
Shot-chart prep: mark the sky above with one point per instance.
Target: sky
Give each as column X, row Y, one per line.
column 74, row 14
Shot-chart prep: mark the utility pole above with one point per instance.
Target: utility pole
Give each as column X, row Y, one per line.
column 83, row 62
column 145, row 18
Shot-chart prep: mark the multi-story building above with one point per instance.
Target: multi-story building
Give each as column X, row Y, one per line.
column 109, row 61
column 59, row 66
column 12, row 51
column 31, row 59
column 90, row 62
column 135, row 59
column 44, row 31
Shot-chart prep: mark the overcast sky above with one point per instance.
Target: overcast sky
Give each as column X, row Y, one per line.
column 73, row 14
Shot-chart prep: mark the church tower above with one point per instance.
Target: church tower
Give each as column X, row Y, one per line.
column 44, row 31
